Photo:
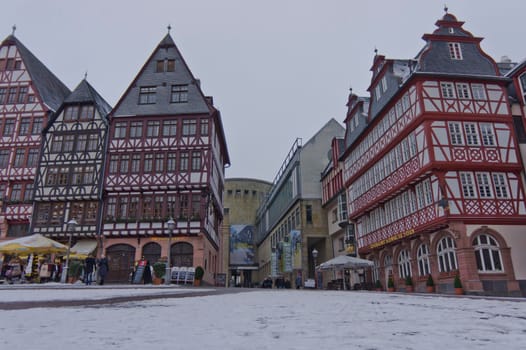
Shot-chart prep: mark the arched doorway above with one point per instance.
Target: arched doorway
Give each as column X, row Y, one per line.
column 121, row 258
column 151, row 252
column 182, row 254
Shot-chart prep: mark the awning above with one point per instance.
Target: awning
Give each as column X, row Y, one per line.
column 83, row 248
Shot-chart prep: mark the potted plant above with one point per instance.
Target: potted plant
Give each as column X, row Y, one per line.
column 74, row 271
column 159, row 271
column 390, row 285
column 378, row 285
column 199, row 273
column 430, row 284
column 408, row 284
column 458, row 285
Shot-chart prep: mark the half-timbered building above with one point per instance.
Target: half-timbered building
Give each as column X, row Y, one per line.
column 433, row 182
column 69, row 179
column 29, row 93
column 166, row 158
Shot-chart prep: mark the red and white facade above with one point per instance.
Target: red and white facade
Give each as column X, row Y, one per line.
column 165, row 158
column 434, row 181
column 29, row 93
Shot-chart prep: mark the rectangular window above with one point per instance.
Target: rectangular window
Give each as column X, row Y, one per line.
column 77, row 211
column 32, row 158
column 455, row 51
column 472, row 138
column 28, row 192
column 4, row 159
column 484, row 185
column 20, row 155
column 43, row 213
column 478, row 92
column 179, row 94
column 36, row 128
column 455, row 134
column 11, row 95
column 52, row 176
column 134, row 206
column 9, row 127
column 204, row 127
column 184, row 161
column 148, row 163
column 158, row 207
column 463, row 91
column 466, row 180
column 159, row 67
column 69, row 142
column 62, row 176
column 170, row 65
column 189, row 127
column 136, row 130
column 147, row 207
column 136, row 163
column 147, row 95
column 88, row 175
column 124, row 163
column 23, row 129
column 159, row 163
column 57, row 214
column 122, row 211
column 169, row 128
column 377, row 92
column 111, row 208
column 447, row 90
column 196, row 160
column 76, row 176
column 196, row 206
column 114, row 164
column 171, row 162
column 3, row 93
column 486, row 130
column 22, row 94
column 93, row 142
column 71, row 113
column 308, row 213
column 153, row 128
column 120, row 130
column 499, row 181
column 82, row 142
column 91, row 212
column 86, row 113
column 16, row 193
column 56, row 144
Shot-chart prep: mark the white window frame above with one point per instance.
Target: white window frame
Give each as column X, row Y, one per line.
column 446, row 253
column 488, row 255
column 455, row 51
column 488, row 137
column 467, row 184
column 422, row 257
column 484, row 185
column 463, row 91
column 500, row 185
column 478, row 92
column 455, row 133
column 447, row 89
column 404, row 263
column 472, row 136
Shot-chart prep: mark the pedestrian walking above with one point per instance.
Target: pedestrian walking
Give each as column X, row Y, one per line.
column 103, row 269
column 89, row 265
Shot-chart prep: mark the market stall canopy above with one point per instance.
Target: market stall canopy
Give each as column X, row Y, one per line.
column 83, row 248
column 36, row 244
column 345, row 262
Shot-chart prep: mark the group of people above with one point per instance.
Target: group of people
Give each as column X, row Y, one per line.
column 89, row 269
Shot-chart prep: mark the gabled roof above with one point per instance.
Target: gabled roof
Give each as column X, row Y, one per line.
column 51, row 90
column 148, row 77
column 84, row 92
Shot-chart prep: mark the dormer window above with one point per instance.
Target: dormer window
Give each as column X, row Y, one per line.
column 165, row 66
column 455, row 52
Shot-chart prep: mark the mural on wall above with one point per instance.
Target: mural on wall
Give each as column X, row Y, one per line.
column 242, row 245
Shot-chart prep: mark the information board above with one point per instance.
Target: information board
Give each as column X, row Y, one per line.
column 139, row 272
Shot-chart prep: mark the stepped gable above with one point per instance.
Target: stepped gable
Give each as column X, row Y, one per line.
column 163, row 81
column 51, row 90
column 435, row 56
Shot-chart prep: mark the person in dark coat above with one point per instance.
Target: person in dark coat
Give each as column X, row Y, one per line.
column 103, row 268
column 147, row 276
column 89, row 265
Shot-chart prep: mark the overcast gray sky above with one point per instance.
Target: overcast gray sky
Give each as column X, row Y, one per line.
column 277, row 69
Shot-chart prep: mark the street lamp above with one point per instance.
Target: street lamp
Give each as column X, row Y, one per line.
column 315, row 256
column 70, row 226
column 168, row 277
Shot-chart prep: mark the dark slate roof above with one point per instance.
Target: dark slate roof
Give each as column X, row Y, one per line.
column 84, row 93
column 51, row 90
column 197, row 103
column 434, row 58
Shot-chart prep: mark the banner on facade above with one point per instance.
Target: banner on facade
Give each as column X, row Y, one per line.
column 295, row 246
column 242, row 245
column 274, row 264
column 287, row 257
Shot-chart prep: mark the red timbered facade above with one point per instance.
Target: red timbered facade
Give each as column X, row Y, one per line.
column 69, row 179
column 29, row 93
column 165, row 159
column 434, row 182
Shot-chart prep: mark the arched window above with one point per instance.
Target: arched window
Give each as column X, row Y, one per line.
column 182, row 254
column 151, row 252
column 487, row 253
column 422, row 257
column 404, row 264
column 447, row 259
